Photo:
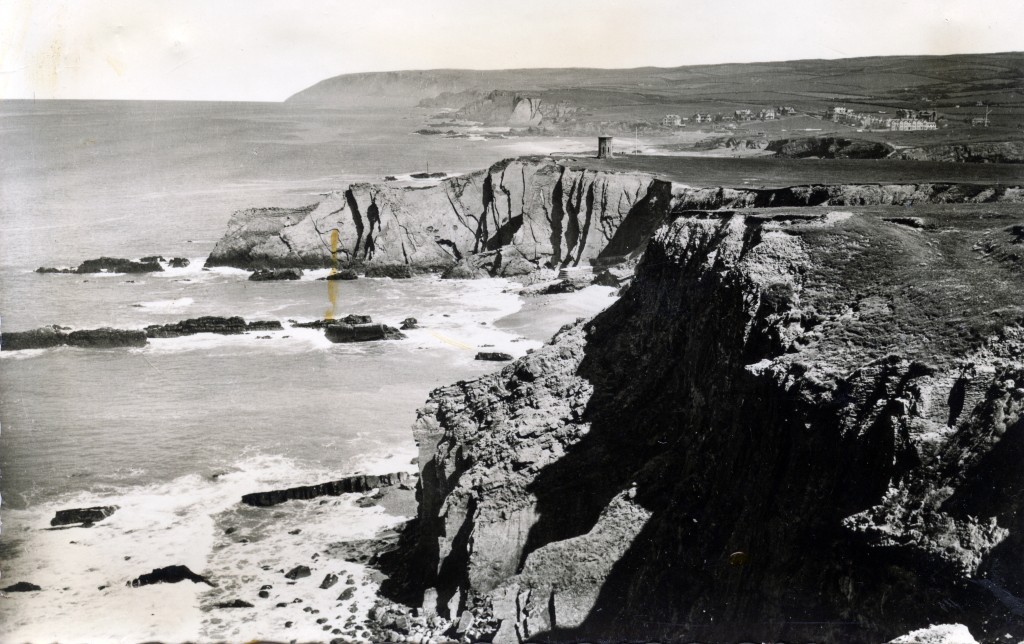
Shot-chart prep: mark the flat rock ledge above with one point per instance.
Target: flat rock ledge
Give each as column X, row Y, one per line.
column 348, row 485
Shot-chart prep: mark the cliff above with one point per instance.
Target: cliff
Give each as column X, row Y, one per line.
column 511, row 108
column 520, row 215
column 980, row 152
column 798, row 424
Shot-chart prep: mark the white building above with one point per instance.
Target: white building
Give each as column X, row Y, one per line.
column 672, row 120
column 911, row 125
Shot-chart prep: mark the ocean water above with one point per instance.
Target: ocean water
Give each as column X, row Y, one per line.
column 175, row 432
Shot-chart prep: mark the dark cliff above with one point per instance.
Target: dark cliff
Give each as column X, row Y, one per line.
column 800, row 425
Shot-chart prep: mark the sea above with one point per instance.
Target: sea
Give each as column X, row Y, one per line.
column 174, row 433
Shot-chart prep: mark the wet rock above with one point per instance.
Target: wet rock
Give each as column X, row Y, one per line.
column 118, row 265
column 495, row 356
column 178, row 262
column 234, row 603
column 106, row 338
column 345, row 333
column 347, row 594
column 409, row 323
column 349, row 485
column 21, row 587
column 263, row 594
column 42, row 338
column 210, row 324
column 323, row 324
column 169, row 575
column 275, row 274
column 394, row 271
column 563, row 286
column 329, row 580
column 343, row 274
column 82, row 515
column 298, row 572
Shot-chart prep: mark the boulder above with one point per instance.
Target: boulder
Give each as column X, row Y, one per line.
column 178, row 262
column 329, row 580
column 298, row 572
column 275, row 274
column 495, row 356
column 344, row 333
column 51, row 269
column 234, row 603
column 21, row 587
column 409, row 323
column 82, row 515
column 169, row 575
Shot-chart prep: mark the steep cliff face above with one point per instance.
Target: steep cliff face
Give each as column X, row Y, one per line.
column 522, row 214
column 536, row 211
column 791, row 426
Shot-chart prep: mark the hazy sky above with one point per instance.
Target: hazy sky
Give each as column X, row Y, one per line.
column 261, row 50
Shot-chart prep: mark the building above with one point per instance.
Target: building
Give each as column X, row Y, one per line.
column 767, row 114
column 743, row 115
column 911, row 125
column 924, row 115
column 979, row 121
column 604, row 147
column 672, row 120
column 837, row 113
column 785, row 110
column 701, row 118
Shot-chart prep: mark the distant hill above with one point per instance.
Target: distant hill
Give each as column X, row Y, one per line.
column 942, row 81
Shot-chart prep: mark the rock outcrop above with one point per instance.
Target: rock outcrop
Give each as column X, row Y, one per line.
column 502, row 107
column 151, row 264
column 524, row 213
column 980, row 152
column 794, row 425
column 233, row 325
column 169, row 575
column 84, row 516
column 521, row 215
column 373, row 332
column 56, row 336
column 349, row 485
column 829, row 147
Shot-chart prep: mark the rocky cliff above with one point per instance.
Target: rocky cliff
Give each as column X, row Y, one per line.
column 520, row 214
column 980, row 152
column 795, row 425
column 511, row 108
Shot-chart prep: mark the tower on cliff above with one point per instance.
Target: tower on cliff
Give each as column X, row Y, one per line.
column 604, row 147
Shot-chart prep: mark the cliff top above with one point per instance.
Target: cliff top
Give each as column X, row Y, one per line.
column 765, row 172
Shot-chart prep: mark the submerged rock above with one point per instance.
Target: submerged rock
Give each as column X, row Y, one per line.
column 21, row 587
column 118, row 265
column 82, row 515
column 234, row 603
column 323, row 324
column 394, row 271
column 275, row 274
column 169, row 575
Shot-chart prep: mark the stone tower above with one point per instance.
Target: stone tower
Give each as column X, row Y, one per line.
column 604, row 147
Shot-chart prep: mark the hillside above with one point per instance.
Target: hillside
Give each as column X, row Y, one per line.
column 861, row 83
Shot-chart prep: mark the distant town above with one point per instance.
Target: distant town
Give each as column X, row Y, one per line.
column 905, row 120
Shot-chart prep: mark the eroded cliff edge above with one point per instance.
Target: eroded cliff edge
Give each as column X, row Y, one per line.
column 513, row 218
column 800, row 424
column 523, row 214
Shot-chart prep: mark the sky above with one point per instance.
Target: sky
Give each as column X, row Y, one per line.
column 258, row 50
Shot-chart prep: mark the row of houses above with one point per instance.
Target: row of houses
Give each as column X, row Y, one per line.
column 905, row 121
column 766, row 114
